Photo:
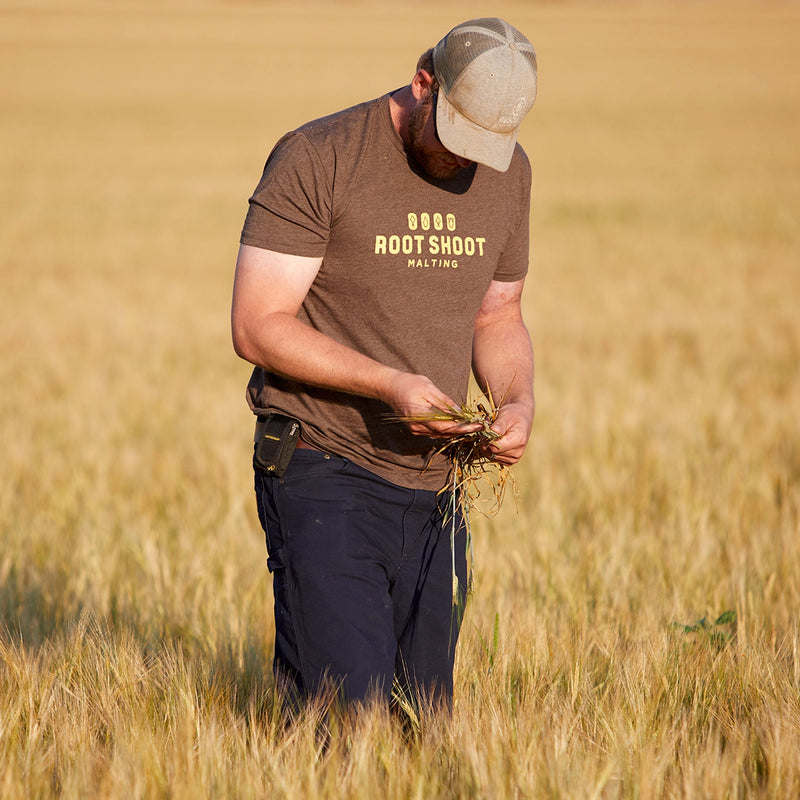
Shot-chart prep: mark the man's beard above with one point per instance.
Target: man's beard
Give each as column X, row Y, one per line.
column 430, row 162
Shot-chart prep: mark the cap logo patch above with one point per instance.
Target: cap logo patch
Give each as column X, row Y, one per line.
column 515, row 113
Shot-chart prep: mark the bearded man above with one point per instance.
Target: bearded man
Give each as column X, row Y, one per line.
column 383, row 257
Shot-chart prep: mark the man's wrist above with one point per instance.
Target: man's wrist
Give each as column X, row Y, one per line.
column 385, row 385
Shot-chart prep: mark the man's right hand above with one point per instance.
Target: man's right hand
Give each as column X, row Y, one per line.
column 414, row 397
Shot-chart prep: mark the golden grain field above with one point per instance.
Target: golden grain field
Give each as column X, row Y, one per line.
column 635, row 627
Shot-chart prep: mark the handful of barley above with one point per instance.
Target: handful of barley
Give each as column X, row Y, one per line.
column 479, row 481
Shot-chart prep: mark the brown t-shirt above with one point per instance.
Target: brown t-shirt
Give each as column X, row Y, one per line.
column 406, row 263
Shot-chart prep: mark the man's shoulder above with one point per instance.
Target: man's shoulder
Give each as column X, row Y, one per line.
column 520, row 164
column 516, row 180
column 520, row 155
column 328, row 143
column 343, row 124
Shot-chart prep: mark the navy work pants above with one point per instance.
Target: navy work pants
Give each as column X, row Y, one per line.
column 362, row 581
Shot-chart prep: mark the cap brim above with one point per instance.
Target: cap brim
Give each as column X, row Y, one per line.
column 468, row 140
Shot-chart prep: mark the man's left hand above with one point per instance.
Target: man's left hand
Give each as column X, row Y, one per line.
column 513, row 423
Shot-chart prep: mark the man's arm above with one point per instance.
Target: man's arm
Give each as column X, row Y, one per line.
column 268, row 290
column 502, row 360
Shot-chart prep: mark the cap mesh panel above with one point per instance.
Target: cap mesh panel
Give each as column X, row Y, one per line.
column 461, row 56
column 483, row 35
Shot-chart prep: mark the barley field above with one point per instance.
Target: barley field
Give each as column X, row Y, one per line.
column 635, row 626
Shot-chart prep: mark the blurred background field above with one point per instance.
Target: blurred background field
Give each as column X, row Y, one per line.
column 635, row 628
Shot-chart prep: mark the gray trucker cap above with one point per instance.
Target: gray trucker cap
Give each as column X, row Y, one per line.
column 487, row 77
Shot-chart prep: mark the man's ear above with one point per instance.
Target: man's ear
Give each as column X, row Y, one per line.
column 421, row 85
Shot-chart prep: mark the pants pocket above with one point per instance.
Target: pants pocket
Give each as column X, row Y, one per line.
column 267, row 515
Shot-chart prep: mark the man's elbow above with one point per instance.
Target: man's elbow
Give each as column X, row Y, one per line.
column 242, row 342
column 241, row 350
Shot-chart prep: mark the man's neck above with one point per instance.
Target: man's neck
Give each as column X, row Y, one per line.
column 400, row 104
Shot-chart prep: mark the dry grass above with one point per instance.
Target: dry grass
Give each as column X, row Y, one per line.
column 662, row 485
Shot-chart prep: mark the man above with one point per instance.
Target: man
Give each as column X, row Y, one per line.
column 383, row 253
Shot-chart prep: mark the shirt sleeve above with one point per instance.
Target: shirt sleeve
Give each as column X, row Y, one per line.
column 290, row 210
column 513, row 263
